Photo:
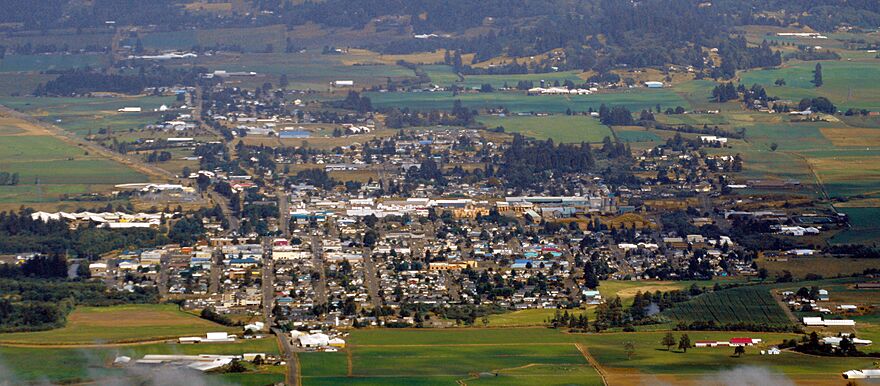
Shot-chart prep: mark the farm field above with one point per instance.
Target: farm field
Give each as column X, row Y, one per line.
column 308, row 70
column 652, row 364
column 844, row 82
column 115, row 324
column 751, row 305
column 561, row 128
column 81, row 115
column 60, row 168
column 404, row 357
column 46, row 62
column 865, row 226
column 422, row 357
column 530, row 317
column 60, row 37
column 826, row 266
column 444, row 75
column 72, row 365
column 635, row 100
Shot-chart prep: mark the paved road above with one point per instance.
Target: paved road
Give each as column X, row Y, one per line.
column 162, row 283
column 224, row 207
column 284, row 212
column 318, row 264
column 371, row 279
column 287, row 348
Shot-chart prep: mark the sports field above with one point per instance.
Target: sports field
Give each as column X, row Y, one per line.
column 561, row 128
column 115, row 324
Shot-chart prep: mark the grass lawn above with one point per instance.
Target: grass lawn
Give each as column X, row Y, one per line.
column 561, row 128
column 128, row 323
column 529, row 317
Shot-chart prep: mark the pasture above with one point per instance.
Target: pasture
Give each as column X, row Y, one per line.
column 116, row 324
column 865, row 226
column 634, row 99
column 46, row 62
column 560, row 128
column 81, row 115
column 50, row 168
column 307, row 70
column 444, row 76
column 844, row 82
column 529, row 317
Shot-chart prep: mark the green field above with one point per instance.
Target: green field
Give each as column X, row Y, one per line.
column 128, row 323
column 72, row 365
column 865, row 226
column 652, row 364
column 846, row 83
column 429, row 357
column 529, row 317
column 444, row 76
column 751, row 304
column 527, row 356
column 635, row 100
column 81, row 115
column 60, row 38
column 59, row 168
column 37, row 63
column 561, row 128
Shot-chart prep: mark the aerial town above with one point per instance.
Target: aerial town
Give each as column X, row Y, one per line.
column 252, row 193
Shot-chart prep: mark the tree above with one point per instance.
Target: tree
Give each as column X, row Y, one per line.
column 258, row 360
column 774, row 146
column 668, row 341
column 817, row 75
column 283, row 82
column 236, row 367
column 684, row 343
column 629, row 348
column 739, row 351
